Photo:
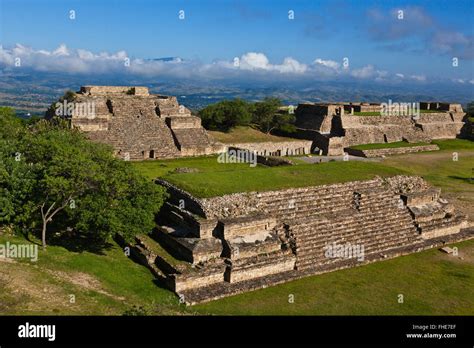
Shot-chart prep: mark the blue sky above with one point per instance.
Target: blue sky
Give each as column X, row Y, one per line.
column 368, row 33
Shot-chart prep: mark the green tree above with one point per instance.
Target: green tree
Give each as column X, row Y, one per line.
column 10, row 127
column 69, row 96
column 267, row 115
column 264, row 113
column 51, row 172
column 226, row 114
column 470, row 109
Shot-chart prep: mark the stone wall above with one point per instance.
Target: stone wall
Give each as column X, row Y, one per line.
column 281, row 148
column 373, row 153
column 108, row 90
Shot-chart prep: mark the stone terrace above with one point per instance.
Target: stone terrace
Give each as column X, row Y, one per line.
column 243, row 241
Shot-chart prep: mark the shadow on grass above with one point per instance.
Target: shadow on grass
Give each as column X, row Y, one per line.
column 81, row 243
column 460, row 178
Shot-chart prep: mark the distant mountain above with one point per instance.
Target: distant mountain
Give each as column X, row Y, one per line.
column 34, row 92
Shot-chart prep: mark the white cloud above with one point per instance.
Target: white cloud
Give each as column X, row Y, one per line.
column 327, row 63
column 253, row 60
column 63, row 59
column 364, row 73
column 250, row 65
column 420, row 78
column 259, row 61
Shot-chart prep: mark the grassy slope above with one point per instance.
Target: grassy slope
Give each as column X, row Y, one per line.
column 102, row 284
column 245, row 135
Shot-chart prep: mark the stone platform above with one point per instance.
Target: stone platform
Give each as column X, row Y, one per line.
column 245, row 241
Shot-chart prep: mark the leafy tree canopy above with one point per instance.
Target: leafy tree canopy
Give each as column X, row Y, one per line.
column 265, row 115
column 53, row 178
column 226, row 114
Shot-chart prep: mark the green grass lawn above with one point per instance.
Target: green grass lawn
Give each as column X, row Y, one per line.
column 454, row 144
column 444, row 144
column 386, row 145
column 215, row 179
column 161, row 168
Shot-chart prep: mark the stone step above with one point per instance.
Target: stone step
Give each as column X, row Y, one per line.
column 309, row 237
column 385, row 234
column 354, row 219
column 367, row 241
column 308, row 262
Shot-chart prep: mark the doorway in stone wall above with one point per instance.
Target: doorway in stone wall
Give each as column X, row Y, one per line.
column 385, row 139
column 152, row 154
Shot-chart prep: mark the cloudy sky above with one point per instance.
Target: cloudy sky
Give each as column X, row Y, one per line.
column 391, row 41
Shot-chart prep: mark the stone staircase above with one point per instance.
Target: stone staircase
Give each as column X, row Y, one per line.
column 369, row 215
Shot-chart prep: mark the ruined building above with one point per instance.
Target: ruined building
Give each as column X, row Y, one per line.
column 336, row 126
column 208, row 248
column 137, row 124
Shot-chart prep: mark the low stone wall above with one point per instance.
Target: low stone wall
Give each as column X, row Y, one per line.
column 283, row 148
column 105, row 90
column 390, row 151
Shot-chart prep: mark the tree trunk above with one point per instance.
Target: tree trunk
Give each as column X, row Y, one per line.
column 43, row 233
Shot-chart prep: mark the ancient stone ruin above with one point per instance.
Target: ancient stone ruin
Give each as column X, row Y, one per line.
column 209, row 248
column 140, row 125
column 334, row 127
